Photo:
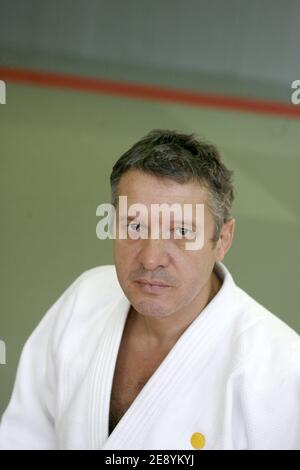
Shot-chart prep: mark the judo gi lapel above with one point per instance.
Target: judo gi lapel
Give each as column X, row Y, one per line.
column 188, row 357
column 102, row 376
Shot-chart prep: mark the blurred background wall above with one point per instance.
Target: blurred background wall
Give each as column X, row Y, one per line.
column 258, row 39
column 58, row 145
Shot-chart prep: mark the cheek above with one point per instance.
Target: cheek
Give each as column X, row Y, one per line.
column 126, row 250
column 197, row 267
column 119, row 257
column 123, row 257
column 120, row 250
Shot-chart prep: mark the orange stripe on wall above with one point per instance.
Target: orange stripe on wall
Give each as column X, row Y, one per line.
column 148, row 92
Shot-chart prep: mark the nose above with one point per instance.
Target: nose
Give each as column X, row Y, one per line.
column 153, row 254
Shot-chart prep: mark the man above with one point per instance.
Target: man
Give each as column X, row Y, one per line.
column 162, row 350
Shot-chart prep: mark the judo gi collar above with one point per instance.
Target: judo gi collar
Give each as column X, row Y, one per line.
column 199, row 340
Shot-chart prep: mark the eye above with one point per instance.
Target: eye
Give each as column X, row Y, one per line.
column 134, row 227
column 183, row 232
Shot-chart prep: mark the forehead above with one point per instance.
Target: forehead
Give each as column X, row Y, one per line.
column 141, row 187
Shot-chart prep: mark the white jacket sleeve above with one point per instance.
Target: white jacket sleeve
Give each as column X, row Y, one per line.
column 29, row 420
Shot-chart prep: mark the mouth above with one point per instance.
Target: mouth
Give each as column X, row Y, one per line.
column 152, row 287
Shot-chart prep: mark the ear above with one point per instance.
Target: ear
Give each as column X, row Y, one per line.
column 225, row 239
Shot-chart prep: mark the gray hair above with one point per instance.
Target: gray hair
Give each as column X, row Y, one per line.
column 182, row 158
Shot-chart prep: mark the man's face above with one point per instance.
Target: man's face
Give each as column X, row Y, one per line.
column 185, row 274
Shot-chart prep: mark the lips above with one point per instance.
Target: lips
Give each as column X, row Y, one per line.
column 152, row 287
column 152, row 283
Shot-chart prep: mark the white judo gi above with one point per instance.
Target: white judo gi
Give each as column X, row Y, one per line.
column 233, row 376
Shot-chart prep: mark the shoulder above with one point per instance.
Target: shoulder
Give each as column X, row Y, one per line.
column 98, row 272
column 266, row 376
column 95, row 289
column 95, row 286
column 256, row 332
column 268, row 348
column 79, row 308
column 98, row 282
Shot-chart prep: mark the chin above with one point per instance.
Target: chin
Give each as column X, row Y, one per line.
column 150, row 309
